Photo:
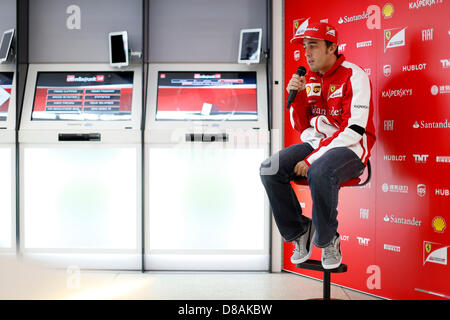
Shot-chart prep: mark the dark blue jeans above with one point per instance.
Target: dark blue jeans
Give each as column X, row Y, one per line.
column 324, row 176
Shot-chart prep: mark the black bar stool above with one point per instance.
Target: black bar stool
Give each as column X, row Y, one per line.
column 316, row 265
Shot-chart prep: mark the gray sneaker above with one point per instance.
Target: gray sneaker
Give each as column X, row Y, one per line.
column 303, row 245
column 331, row 255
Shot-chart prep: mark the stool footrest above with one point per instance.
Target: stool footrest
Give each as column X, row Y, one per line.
column 317, row 266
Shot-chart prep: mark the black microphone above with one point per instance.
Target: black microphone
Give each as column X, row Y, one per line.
column 301, row 71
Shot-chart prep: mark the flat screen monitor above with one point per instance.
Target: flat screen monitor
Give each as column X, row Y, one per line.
column 250, row 46
column 6, row 80
column 197, row 96
column 118, row 49
column 83, row 96
column 6, row 44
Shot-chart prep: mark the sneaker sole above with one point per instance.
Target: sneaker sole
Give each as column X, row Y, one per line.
column 332, row 266
column 309, row 252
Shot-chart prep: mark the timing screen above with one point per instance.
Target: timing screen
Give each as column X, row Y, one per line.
column 83, row 96
column 206, row 96
column 6, row 79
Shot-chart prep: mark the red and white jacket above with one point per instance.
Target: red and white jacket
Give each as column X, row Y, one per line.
column 335, row 110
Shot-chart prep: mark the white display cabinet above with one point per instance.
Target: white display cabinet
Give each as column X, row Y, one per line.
column 80, row 175
column 206, row 135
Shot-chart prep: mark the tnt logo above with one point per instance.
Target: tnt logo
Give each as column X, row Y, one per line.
column 70, row 78
column 100, row 78
column 363, row 241
column 445, row 63
column 420, row 158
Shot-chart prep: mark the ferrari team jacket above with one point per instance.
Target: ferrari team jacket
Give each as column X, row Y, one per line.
column 335, row 110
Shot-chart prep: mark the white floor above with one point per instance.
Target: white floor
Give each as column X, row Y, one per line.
column 25, row 281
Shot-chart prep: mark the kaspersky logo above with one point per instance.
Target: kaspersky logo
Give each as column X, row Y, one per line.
column 418, row 4
column 396, row 93
column 394, row 38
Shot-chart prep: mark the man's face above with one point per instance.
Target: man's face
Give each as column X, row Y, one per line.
column 318, row 56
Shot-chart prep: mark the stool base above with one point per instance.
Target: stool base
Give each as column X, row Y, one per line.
column 316, row 265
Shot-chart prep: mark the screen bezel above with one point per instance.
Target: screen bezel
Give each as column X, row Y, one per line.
column 4, row 59
column 207, row 117
column 34, row 69
column 124, row 35
column 244, row 31
column 152, row 92
column 51, row 81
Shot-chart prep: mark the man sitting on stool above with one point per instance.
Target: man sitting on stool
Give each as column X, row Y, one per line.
column 333, row 112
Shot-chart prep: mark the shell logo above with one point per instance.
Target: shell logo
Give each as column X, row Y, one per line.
column 388, row 10
column 438, row 224
column 308, row 89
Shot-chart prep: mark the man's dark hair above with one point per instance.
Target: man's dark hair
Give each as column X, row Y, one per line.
column 329, row 43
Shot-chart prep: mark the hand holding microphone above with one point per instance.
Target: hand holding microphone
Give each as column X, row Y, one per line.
column 297, row 83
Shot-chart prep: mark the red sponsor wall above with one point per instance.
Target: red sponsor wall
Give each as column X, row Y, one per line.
column 395, row 231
